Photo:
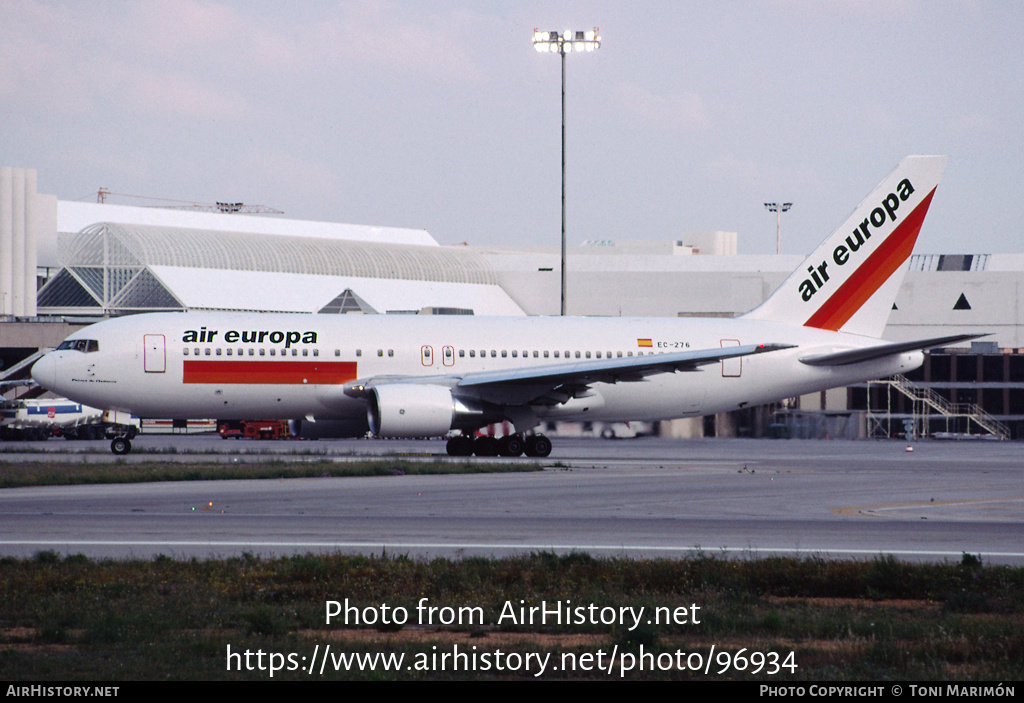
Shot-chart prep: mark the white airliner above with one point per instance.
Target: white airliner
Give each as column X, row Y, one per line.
column 432, row 376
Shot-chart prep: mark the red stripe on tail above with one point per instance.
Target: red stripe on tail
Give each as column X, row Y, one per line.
column 872, row 273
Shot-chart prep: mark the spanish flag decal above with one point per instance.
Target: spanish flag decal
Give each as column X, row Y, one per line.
column 644, row 343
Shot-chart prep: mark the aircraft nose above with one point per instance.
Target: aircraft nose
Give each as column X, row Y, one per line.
column 44, row 371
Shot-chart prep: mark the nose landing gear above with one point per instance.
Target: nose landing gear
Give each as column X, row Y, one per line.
column 120, row 445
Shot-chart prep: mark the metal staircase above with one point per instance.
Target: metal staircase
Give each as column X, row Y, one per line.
column 17, row 377
column 925, row 403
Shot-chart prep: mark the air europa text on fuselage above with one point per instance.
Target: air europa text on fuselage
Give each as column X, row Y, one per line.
column 289, row 337
column 841, row 255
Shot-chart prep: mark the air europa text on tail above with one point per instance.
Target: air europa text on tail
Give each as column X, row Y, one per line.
column 841, row 255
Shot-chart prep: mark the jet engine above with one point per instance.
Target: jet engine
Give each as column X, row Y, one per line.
column 424, row 410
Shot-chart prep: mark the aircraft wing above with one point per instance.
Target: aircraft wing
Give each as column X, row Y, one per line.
column 559, row 382
column 514, row 386
column 854, row 356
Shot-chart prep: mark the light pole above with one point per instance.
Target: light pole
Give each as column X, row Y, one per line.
column 565, row 43
column 778, row 209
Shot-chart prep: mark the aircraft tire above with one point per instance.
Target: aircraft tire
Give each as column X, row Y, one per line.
column 511, row 445
column 460, row 445
column 120, row 445
column 538, row 446
column 485, row 446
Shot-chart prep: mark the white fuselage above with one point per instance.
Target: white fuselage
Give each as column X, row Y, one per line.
column 244, row 366
column 410, row 376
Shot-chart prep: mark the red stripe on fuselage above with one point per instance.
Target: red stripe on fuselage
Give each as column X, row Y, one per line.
column 268, row 372
column 872, row 273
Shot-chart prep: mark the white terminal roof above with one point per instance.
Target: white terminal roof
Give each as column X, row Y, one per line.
column 132, row 267
column 74, row 217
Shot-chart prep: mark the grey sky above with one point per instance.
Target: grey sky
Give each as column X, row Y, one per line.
column 442, row 116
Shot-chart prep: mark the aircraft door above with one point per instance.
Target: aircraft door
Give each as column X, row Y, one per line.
column 427, row 355
column 155, row 353
column 448, row 355
column 732, row 368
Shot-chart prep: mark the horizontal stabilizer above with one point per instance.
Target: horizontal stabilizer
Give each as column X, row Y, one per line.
column 855, row 356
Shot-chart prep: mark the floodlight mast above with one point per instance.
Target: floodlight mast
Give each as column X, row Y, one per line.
column 565, row 43
column 778, row 209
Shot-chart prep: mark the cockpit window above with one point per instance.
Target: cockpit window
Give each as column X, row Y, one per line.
column 82, row 345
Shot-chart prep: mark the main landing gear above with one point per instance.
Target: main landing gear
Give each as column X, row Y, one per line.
column 510, row 445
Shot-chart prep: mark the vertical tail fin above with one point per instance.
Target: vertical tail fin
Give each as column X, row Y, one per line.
column 849, row 282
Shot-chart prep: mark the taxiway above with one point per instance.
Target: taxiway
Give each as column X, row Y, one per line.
column 640, row 497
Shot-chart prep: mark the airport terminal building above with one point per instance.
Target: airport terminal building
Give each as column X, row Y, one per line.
column 64, row 264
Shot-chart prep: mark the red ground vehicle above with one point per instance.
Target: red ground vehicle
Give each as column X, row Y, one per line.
column 254, row 429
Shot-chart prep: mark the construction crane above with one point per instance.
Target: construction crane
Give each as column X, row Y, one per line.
column 102, row 194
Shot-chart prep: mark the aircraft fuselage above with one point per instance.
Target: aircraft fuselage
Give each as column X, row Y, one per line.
column 242, row 366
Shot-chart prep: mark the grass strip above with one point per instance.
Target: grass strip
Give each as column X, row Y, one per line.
column 66, row 473
column 73, row 618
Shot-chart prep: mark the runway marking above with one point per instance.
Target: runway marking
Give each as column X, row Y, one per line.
column 866, row 509
column 519, row 548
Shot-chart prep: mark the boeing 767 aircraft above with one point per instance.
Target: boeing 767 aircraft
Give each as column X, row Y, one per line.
column 432, row 376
